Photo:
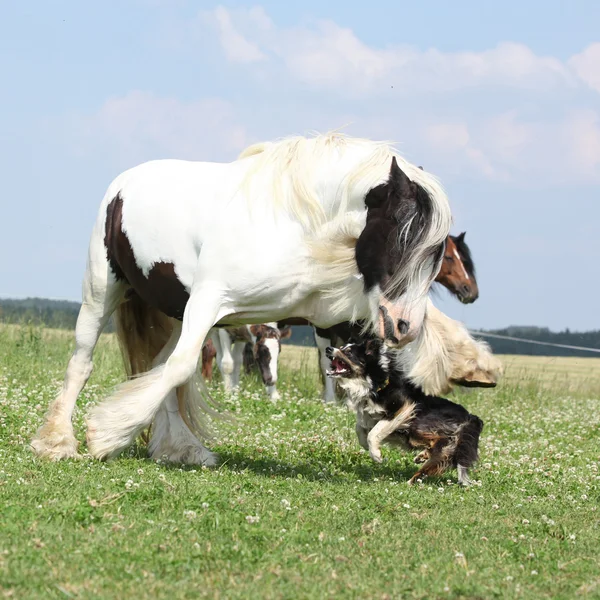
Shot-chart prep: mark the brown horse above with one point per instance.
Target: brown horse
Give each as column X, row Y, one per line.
column 457, row 274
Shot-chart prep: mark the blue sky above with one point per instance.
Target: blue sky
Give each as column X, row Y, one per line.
column 500, row 100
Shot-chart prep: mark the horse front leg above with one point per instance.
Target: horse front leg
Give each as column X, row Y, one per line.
column 225, row 358
column 323, row 340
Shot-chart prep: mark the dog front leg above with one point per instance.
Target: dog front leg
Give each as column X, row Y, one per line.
column 382, row 430
column 386, row 427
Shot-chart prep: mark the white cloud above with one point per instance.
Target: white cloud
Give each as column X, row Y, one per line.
column 587, row 66
column 142, row 126
column 581, row 133
column 504, row 113
column 333, row 57
column 237, row 48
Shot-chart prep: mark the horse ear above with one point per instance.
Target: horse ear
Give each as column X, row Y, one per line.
column 420, row 167
column 400, row 183
column 461, row 236
column 256, row 331
column 285, row 332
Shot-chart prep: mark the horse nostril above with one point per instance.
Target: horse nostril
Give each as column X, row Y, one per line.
column 403, row 326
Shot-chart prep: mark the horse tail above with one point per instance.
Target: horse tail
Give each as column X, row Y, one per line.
column 142, row 331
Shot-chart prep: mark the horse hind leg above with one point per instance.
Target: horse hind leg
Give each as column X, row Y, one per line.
column 114, row 424
column 171, row 437
column 55, row 439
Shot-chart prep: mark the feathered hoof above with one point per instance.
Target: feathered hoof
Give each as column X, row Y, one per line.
column 105, row 442
column 190, row 454
column 55, row 443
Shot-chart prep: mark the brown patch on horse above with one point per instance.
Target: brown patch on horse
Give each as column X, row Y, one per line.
column 161, row 289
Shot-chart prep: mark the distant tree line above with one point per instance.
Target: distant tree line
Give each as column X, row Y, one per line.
column 62, row 314
column 56, row 314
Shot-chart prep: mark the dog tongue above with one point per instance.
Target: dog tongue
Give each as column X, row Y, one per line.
column 338, row 365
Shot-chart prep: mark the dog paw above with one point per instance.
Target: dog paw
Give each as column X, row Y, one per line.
column 421, row 457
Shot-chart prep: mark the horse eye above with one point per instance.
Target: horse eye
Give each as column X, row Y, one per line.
column 449, row 257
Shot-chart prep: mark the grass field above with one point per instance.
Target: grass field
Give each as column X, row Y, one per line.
column 297, row 510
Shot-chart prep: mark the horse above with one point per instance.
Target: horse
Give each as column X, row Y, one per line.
column 264, row 343
column 355, row 232
column 457, row 275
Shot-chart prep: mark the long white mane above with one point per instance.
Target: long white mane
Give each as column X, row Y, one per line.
column 300, row 170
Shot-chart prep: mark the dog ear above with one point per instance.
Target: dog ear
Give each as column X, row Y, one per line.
column 476, row 378
column 372, row 347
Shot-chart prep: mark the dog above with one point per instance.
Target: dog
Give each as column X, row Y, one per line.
column 390, row 408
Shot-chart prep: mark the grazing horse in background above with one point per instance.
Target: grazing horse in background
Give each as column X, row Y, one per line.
column 355, row 232
column 264, row 342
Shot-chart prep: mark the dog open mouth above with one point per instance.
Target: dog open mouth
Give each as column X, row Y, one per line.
column 339, row 368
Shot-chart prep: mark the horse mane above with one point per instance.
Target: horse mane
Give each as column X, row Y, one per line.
column 296, row 168
column 465, row 253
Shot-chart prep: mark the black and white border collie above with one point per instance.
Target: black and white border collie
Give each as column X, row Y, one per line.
column 389, row 408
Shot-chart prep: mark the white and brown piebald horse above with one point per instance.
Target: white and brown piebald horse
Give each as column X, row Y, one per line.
column 264, row 341
column 356, row 232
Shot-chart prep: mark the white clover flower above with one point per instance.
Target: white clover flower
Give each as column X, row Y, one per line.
column 189, row 514
column 250, row 519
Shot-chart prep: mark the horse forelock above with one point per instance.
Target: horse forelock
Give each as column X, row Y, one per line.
column 420, row 239
column 422, row 233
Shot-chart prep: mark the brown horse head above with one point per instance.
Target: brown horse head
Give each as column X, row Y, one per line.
column 458, row 271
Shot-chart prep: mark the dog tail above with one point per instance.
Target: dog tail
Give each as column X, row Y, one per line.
column 467, row 445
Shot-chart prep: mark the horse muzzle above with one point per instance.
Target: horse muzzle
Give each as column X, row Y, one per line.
column 395, row 325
